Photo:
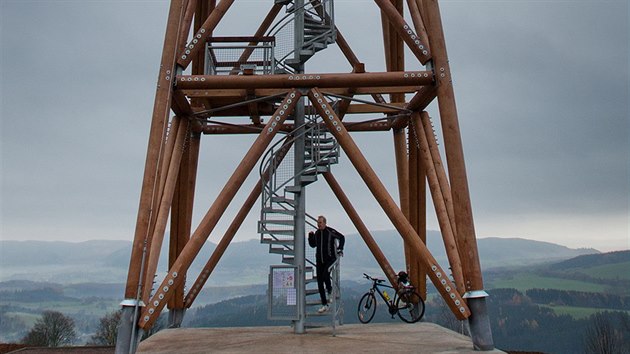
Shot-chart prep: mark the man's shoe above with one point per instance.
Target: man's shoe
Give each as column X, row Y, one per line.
column 323, row 309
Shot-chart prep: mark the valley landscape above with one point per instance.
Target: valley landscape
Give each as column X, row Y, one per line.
column 534, row 287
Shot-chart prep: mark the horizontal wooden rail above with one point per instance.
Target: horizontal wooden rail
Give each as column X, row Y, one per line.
column 398, row 78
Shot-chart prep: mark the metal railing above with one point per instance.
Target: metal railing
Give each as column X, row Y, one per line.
column 234, row 55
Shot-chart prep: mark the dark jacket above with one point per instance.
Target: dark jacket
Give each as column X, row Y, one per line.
column 323, row 241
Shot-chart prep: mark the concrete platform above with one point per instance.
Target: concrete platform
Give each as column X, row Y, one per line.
column 354, row 338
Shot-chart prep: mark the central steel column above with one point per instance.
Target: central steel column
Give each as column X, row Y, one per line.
column 299, row 219
column 300, row 196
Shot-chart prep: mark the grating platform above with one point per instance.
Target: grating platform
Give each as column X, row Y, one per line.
column 354, row 338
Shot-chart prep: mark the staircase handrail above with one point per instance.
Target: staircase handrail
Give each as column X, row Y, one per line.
column 289, row 18
column 270, row 155
column 336, row 303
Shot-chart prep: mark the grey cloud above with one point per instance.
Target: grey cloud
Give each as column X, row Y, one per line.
column 541, row 87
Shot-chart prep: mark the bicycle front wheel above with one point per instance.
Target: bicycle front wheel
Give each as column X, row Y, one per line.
column 410, row 307
column 367, row 308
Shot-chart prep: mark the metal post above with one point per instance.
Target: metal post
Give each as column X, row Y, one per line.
column 299, row 219
column 298, row 165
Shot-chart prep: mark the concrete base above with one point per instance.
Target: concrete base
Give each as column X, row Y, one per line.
column 355, row 338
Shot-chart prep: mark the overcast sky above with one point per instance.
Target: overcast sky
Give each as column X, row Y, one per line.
column 541, row 89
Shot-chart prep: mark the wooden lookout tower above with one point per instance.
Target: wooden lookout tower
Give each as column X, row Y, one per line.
column 257, row 83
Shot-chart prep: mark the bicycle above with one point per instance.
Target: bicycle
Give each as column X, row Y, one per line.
column 406, row 302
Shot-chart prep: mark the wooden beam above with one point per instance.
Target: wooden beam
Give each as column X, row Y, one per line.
column 404, row 30
column 418, row 23
column 439, row 169
column 408, row 78
column 191, row 6
column 198, row 43
column 365, row 234
column 161, row 108
column 438, row 276
column 218, row 252
column 166, row 200
column 448, row 235
column 454, row 150
column 181, row 210
column 240, row 93
column 172, row 280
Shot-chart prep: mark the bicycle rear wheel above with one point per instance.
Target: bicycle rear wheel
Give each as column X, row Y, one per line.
column 367, row 308
column 410, row 307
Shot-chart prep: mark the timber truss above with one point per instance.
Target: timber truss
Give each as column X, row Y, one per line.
column 267, row 88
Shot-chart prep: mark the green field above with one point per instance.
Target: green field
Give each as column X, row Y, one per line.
column 524, row 281
column 609, row 271
column 578, row 312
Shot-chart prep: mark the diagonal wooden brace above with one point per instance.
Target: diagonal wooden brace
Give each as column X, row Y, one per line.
column 419, row 49
column 437, row 275
column 232, row 229
column 362, row 228
column 198, row 41
column 175, row 277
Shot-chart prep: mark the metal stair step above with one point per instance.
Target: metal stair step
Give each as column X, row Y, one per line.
column 274, row 241
column 320, row 147
column 316, row 30
column 269, row 210
column 322, row 140
column 317, row 169
column 276, row 232
column 276, row 222
column 308, row 178
column 318, row 45
column 276, row 199
column 293, row 189
column 312, row 292
column 280, row 250
column 316, row 24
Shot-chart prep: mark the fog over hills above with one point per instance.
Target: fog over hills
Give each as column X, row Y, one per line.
column 245, row 262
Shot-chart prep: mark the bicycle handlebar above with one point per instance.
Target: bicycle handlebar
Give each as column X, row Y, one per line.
column 373, row 279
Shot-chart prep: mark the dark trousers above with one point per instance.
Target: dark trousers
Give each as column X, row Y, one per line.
column 323, row 277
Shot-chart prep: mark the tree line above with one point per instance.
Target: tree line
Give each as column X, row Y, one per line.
column 518, row 323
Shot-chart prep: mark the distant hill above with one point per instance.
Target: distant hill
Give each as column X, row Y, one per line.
column 597, row 273
column 245, row 262
column 595, row 260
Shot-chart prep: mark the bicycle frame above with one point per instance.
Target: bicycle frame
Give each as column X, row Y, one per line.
column 376, row 287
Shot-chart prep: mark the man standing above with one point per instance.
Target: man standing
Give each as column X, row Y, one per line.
column 323, row 240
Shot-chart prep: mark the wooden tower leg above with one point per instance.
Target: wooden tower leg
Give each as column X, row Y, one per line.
column 181, row 222
column 417, row 212
column 479, row 322
column 127, row 338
